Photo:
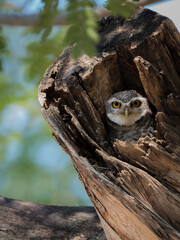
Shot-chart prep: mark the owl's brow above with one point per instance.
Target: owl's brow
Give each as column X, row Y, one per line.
column 137, row 98
column 114, row 100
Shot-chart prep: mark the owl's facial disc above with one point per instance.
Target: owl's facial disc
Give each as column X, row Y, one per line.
column 126, row 113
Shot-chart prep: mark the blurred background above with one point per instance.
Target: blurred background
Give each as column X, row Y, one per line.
column 32, row 165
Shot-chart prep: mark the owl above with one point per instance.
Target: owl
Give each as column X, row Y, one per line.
column 129, row 116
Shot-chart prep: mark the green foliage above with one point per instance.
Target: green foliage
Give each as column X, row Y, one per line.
column 120, row 7
column 10, row 92
column 22, row 129
column 41, row 54
column 2, row 46
column 83, row 22
column 83, row 29
column 48, row 15
column 25, row 55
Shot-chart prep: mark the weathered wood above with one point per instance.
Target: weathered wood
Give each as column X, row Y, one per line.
column 27, row 220
column 135, row 187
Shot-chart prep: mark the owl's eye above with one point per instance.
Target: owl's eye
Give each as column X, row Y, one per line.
column 136, row 103
column 116, row 104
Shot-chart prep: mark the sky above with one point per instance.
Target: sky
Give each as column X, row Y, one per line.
column 170, row 8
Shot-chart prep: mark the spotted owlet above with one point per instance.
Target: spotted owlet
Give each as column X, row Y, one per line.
column 128, row 116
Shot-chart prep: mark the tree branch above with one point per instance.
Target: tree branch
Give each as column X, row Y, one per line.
column 31, row 20
column 27, row 220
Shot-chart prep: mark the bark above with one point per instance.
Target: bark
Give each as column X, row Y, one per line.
column 26, row 220
column 135, row 187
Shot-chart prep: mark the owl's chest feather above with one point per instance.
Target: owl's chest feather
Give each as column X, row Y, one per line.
column 122, row 120
column 143, row 127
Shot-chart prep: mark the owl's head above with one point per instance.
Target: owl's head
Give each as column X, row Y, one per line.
column 126, row 107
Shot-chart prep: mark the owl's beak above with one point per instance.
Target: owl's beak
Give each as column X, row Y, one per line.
column 126, row 113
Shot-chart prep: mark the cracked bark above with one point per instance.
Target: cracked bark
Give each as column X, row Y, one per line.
column 135, row 187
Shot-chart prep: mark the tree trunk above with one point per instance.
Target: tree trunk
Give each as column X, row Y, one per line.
column 135, row 187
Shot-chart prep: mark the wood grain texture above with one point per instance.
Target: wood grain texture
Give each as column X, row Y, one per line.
column 135, row 187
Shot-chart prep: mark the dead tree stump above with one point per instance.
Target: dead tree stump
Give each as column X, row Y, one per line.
column 135, row 187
